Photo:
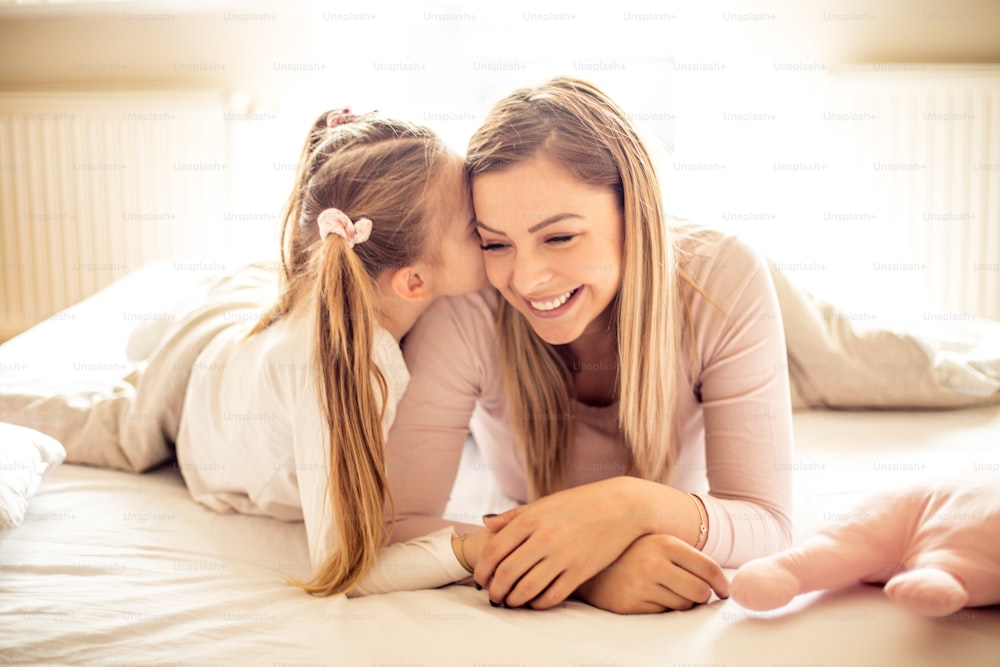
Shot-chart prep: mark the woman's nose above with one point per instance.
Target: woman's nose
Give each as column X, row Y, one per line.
column 532, row 274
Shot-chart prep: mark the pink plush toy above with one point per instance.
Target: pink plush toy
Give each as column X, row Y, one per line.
column 936, row 548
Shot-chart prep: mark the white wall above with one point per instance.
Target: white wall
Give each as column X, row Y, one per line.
column 680, row 66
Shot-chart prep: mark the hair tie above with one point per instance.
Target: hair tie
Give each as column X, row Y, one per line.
column 340, row 117
column 335, row 221
column 345, row 116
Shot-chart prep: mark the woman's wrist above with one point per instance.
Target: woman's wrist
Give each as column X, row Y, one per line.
column 641, row 504
column 660, row 509
column 702, row 522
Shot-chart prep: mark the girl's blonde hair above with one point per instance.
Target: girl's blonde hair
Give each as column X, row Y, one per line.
column 575, row 124
column 379, row 169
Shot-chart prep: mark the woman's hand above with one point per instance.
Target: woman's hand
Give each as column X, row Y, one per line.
column 656, row 573
column 542, row 552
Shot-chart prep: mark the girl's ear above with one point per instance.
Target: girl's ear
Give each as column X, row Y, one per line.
column 409, row 284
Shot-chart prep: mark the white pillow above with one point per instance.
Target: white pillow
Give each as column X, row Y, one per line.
column 25, row 456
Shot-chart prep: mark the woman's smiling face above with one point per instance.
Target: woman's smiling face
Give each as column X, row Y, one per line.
column 552, row 246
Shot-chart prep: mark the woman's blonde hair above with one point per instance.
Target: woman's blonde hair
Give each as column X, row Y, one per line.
column 577, row 125
column 379, row 169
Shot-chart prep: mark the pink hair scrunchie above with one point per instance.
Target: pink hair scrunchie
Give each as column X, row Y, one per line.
column 335, row 221
column 341, row 117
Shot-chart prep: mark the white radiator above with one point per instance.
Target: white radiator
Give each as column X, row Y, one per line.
column 93, row 185
column 929, row 138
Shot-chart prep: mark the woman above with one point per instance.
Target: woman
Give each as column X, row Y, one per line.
column 624, row 376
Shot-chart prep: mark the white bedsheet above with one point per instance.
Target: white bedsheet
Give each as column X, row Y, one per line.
column 114, row 568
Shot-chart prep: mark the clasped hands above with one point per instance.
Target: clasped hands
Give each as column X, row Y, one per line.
column 591, row 541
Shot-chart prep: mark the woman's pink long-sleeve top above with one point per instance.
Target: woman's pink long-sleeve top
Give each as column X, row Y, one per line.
column 734, row 411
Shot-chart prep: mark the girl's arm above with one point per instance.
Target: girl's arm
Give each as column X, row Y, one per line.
column 424, row 558
column 424, row 562
column 421, row 563
column 424, row 449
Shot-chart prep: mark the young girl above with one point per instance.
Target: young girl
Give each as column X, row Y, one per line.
column 626, row 376
column 288, row 419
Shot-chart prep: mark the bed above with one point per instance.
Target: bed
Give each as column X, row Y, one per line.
column 110, row 567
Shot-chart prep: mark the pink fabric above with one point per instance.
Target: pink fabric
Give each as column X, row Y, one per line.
column 335, row 221
column 340, row 117
column 734, row 410
column 935, row 547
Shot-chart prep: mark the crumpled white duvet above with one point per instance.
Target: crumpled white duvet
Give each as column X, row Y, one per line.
column 835, row 362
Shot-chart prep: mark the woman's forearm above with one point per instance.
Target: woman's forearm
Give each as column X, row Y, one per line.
column 742, row 530
column 735, row 530
column 660, row 509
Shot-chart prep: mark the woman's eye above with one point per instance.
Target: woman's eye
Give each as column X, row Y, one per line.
column 492, row 247
column 559, row 239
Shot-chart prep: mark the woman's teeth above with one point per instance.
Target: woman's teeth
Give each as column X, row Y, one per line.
column 553, row 304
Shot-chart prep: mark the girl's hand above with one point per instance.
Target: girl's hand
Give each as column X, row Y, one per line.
column 545, row 550
column 656, row 573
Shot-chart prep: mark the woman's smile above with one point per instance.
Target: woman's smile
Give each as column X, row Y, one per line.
column 554, row 307
column 552, row 246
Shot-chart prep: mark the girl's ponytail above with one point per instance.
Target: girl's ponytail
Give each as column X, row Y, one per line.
column 346, row 309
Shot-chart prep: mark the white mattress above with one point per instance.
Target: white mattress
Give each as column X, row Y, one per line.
column 114, row 568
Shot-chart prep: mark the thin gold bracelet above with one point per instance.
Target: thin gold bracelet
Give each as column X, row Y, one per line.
column 461, row 549
column 703, row 526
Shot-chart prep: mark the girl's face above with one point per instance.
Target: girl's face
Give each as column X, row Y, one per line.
column 458, row 261
column 552, row 245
